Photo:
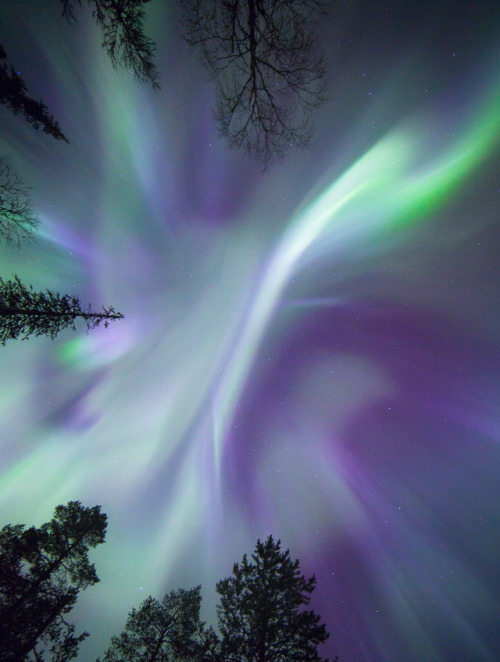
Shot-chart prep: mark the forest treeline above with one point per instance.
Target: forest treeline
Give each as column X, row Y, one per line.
column 262, row 614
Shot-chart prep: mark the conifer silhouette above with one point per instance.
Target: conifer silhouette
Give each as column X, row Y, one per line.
column 123, row 38
column 24, row 312
column 14, row 95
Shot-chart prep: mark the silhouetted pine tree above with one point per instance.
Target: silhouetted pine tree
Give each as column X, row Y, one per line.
column 18, row 220
column 14, row 95
column 124, row 39
column 24, row 312
column 42, row 571
column 261, row 618
column 167, row 630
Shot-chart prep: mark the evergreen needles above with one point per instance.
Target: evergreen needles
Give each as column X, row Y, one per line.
column 24, row 312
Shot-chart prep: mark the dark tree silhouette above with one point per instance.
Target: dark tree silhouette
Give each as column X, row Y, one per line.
column 42, row 571
column 14, row 95
column 260, row 615
column 124, row 39
column 18, row 220
column 24, row 312
column 159, row 632
column 269, row 68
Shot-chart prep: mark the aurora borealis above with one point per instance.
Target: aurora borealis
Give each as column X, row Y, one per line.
column 310, row 352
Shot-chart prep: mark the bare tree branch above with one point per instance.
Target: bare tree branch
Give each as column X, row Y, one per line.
column 18, row 220
column 269, row 68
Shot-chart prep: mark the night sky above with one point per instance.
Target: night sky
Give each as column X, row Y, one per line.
column 310, row 352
